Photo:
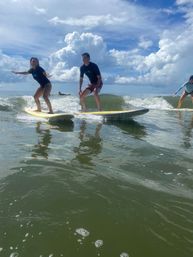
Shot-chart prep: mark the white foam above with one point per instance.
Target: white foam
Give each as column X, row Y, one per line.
column 89, row 117
column 98, row 243
column 27, row 118
column 30, row 101
column 14, row 255
column 68, row 104
column 83, row 232
column 27, row 234
column 5, row 102
column 64, row 104
column 149, row 102
column 124, row 255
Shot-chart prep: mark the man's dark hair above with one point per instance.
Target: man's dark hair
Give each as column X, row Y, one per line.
column 86, row 54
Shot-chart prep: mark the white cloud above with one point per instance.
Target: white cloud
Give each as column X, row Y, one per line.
column 182, row 2
column 59, row 73
column 125, row 80
column 119, row 36
column 76, row 44
column 126, row 19
column 7, row 64
column 169, row 11
column 91, row 21
column 128, row 60
column 40, row 10
column 144, row 43
column 115, row 20
column 67, row 60
column 171, row 64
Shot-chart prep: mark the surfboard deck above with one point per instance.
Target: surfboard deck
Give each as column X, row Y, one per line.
column 182, row 109
column 116, row 115
column 51, row 117
column 108, row 115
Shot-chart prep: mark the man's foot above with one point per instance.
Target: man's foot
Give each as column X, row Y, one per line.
column 51, row 112
column 37, row 110
column 83, row 109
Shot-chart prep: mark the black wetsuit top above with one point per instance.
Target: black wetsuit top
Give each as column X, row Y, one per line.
column 91, row 70
column 38, row 75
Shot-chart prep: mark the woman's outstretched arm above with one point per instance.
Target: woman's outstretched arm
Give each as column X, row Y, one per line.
column 21, row 72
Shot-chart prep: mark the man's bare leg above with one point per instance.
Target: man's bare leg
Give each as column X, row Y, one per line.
column 97, row 100
column 82, row 99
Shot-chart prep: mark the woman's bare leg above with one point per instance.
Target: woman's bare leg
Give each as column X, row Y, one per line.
column 38, row 94
column 192, row 97
column 46, row 95
column 183, row 96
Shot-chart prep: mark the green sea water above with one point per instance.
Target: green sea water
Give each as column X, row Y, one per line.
column 95, row 188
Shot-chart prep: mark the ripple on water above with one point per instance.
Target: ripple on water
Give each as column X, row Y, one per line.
column 124, row 255
column 83, row 232
column 14, row 255
column 98, row 243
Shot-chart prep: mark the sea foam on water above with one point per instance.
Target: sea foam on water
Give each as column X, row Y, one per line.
column 83, row 232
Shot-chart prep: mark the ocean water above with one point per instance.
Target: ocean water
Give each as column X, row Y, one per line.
column 95, row 188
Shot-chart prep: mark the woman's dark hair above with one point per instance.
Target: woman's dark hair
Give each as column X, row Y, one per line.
column 191, row 77
column 34, row 58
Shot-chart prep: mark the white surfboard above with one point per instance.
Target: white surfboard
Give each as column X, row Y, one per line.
column 51, row 117
column 182, row 109
column 116, row 115
column 108, row 115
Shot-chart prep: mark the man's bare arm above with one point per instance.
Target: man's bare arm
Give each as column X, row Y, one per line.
column 80, row 85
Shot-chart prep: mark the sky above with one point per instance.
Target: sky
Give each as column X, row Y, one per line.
column 134, row 42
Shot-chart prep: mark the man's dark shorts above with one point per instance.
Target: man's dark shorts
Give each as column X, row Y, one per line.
column 94, row 88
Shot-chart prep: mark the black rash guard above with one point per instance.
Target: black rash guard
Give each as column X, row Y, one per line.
column 38, row 75
column 91, row 70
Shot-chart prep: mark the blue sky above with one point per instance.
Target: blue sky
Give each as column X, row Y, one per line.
column 136, row 42
column 155, row 4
